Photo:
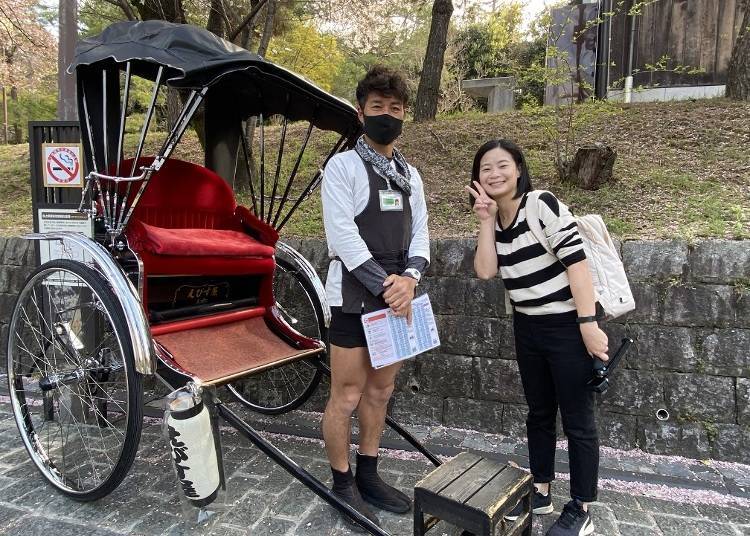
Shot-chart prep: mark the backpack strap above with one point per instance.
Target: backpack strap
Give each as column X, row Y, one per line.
column 533, row 220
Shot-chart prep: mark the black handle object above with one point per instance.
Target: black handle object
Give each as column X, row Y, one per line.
column 600, row 381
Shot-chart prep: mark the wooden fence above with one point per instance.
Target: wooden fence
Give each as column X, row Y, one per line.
column 691, row 33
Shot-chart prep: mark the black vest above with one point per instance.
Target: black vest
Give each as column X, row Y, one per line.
column 387, row 235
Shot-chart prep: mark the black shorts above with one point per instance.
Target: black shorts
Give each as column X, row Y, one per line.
column 346, row 329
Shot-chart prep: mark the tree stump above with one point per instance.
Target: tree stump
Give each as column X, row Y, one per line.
column 592, row 166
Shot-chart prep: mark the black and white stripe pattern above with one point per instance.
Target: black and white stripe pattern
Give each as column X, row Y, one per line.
column 536, row 280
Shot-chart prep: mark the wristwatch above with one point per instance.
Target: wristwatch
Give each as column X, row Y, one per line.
column 587, row 319
column 413, row 273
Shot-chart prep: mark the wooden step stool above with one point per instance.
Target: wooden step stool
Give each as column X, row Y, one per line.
column 474, row 493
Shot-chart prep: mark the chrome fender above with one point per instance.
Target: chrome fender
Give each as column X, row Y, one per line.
column 99, row 258
column 296, row 258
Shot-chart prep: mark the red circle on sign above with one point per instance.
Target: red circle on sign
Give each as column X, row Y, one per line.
column 63, row 165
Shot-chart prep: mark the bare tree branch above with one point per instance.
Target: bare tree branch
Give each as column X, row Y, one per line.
column 247, row 20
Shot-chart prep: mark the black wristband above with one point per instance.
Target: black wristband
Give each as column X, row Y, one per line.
column 586, row 319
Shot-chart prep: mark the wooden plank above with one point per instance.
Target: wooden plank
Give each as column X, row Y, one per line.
column 677, row 34
column 496, row 493
column 618, row 53
column 661, row 12
column 643, row 50
column 693, row 31
column 444, row 475
column 467, row 485
column 709, row 29
column 724, row 38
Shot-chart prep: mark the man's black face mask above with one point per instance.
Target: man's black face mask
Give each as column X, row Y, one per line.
column 383, row 128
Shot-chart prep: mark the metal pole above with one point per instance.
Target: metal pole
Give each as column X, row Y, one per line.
column 631, row 54
column 66, row 88
column 604, row 35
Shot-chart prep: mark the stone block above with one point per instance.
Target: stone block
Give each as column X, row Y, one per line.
column 720, row 261
column 482, row 415
column 663, row 348
column 687, row 439
column 3, row 340
column 12, row 278
column 699, row 305
column 408, row 377
column 741, row 305
column 413, row 408
column 634, row 392
column 617, row 430
column 654, row 259
column 470, row 335
column 696, row 397
column 485, row 298
column 498, row 379
column 725, row 352
column 315, row 250
column 731, row 443
column 743, row 401
column 514, row 420
column 18, row 252
column 454, row 257
column 444, row 375
column 648, row 302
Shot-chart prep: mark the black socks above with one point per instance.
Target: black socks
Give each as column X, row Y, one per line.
column 375, row 491
column 345, row 488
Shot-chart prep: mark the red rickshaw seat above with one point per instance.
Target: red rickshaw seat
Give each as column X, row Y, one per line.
column 187, row 222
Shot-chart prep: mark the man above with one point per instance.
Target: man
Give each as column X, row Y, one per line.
column 375, row 220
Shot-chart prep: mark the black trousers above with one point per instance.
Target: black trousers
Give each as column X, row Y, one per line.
column 555, row 367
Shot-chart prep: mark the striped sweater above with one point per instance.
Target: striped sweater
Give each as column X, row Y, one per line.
column 537, row 281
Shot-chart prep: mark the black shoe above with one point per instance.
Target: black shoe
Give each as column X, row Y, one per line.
column 375, row 491
column 540, row 504
column 345, row 489
column 573, row 521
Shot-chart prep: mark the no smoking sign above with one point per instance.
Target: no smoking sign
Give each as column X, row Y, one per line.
column 62, row 165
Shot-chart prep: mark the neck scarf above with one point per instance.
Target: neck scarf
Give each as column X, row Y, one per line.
column 383, row 166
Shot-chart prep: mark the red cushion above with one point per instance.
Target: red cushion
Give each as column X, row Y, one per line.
column 155, row 264
column 198, row 242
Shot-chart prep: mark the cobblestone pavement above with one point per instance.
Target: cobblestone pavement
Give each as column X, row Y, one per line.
column 641, row 494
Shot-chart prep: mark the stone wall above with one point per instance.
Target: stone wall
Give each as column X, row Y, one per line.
column 692, row 352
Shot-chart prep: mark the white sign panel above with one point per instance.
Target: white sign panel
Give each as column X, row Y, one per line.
column 62, row 165
column 51, row 220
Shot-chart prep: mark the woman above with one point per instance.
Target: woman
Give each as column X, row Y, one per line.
column 554, row 322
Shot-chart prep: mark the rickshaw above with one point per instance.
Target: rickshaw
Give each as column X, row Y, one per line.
column 177, row 281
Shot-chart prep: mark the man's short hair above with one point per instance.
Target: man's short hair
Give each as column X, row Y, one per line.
column 384, row 80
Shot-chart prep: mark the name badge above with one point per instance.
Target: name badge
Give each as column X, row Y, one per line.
column 391, row 200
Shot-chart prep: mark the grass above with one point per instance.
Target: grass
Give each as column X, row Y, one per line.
column 682, row 169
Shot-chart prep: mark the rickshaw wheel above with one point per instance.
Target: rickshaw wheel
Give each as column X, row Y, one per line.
column 75, row 393
column 287, row 387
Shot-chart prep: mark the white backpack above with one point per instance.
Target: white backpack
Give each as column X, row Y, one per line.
column 607, row 271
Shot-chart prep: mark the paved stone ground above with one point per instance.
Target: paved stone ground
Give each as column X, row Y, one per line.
column 641, row 495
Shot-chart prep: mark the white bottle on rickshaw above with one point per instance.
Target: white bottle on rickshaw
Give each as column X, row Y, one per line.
column 193, row 448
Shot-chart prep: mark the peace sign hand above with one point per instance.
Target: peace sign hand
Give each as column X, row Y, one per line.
column 484, row 206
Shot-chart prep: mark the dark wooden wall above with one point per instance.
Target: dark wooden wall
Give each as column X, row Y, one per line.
column 693, row 33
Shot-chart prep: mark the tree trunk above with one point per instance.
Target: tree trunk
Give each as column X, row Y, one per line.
column 738, row 76
column 267, row 28
column 428, row 92
column 18, row 133
column 591, row 167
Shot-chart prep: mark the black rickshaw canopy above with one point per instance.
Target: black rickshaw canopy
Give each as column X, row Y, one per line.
column 194, row 58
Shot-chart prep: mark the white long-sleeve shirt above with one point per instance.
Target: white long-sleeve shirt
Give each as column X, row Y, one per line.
column 345, row 192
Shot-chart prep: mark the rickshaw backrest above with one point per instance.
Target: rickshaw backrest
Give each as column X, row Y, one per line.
column 184, row 195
